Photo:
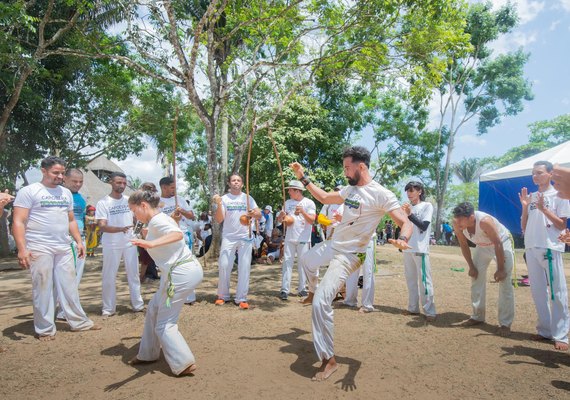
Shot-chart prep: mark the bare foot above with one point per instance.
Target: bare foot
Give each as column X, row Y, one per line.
column 189, row 371
column 45, row 338
column 504, row 331
column 363, row 310
column 136, row 361
column 407, row 312
column 539, row 338
column 561, row 346
column 328, row 367
column 94, row 327
column 471, row 322
column 307, row 300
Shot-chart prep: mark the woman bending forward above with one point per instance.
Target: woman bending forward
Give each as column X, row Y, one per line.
column 180, row 274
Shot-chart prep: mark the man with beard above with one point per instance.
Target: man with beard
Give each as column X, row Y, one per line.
column 365, row 202
column 115, row 220
column 43, row 220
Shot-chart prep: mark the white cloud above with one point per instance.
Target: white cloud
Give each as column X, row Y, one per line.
column 554, row 25
column 527, row 10
column 472, row 139
column 565, row 4
column 513, row 41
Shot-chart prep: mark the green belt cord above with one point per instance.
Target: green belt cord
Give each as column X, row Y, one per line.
column 514, row 280
column 550, row 272
column 424, row 277
column 74, row 256
column 170, row 290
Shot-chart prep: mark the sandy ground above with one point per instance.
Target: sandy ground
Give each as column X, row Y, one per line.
column 267, row 352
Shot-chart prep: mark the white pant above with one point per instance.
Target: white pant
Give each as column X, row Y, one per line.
column 318, row 256
column 79, row 264
column 367, row 280
column 482, row 256
column 49, row 272
column 111, row 261
column 161, row 322
column 340, row 267
column 420, row 284
column 226, row 263
column 292, row 248
column 553, row 318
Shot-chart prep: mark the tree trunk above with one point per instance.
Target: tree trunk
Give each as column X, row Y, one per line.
column 14, row 98
column 4, row 246
column 442, row 187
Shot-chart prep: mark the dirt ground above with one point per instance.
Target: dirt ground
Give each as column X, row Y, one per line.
column 267, row 352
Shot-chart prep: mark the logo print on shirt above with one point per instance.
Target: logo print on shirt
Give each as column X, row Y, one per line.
column 352, row 203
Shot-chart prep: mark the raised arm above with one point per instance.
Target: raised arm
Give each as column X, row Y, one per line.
column 318, row 193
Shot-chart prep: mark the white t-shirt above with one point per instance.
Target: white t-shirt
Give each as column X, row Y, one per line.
column 300, row 230
column 234, row 207
column 169, row 254
column 540, row 232
column 480, row 238
column 117, row 214
column 364, row 206
column 169, row 204
column 47, row 229
column 419, row 241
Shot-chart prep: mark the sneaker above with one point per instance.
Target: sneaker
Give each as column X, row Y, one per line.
column 302, row 293
column 244, row 305
column 219, row 302
column 283, row 296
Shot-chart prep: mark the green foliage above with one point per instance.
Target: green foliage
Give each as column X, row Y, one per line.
column 459, row 194
column 468, row 170
column 302, row 133
column 543, row 135
column 405, row 146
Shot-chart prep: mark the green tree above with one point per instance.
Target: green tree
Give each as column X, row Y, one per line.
column 467, row 191
column 480, row 87
column 544, row 135
column 468, row 170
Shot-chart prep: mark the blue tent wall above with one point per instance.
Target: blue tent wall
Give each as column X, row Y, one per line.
column 500, row 198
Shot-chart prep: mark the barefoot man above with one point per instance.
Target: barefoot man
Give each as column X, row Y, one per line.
column 544, row 216
column 365, row 202
column 43, row 220
column 493, row 241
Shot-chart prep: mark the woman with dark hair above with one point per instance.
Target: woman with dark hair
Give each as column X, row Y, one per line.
column 416, row 260
column 180, row 274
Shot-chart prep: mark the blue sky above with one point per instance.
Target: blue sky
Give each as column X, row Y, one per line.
column 544, row 31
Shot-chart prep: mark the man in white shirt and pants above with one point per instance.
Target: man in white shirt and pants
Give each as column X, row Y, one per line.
column 365, row 202
column 544, row 217
column 115, row 220
column 43, row 220
column 300, row 212
column 232, row 210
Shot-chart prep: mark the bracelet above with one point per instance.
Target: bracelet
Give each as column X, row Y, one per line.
column 403, row 237
column 305, row 180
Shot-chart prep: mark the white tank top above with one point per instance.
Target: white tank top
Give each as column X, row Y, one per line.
column 479, row 237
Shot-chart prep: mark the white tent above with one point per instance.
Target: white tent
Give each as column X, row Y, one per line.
column 556, row 155
column 498, row 190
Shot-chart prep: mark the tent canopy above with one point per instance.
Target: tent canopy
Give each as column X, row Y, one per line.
column 499, row 190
